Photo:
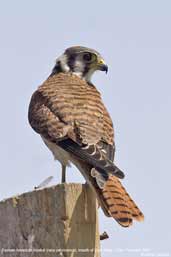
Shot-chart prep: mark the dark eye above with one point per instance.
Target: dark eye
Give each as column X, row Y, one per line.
column 87, row 57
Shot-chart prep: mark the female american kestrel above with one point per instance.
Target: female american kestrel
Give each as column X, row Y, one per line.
column 69, row 114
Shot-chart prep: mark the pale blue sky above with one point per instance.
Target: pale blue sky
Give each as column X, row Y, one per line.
column 134, row 38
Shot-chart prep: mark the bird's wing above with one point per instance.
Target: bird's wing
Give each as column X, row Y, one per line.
column 70, row 113
column 93, row 155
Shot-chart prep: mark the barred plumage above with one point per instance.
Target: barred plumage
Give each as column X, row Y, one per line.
column 113, row 198
column 74, row 103
column 68, row 112
column 120, row 205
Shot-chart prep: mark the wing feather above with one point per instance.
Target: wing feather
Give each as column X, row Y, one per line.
column 92, row 155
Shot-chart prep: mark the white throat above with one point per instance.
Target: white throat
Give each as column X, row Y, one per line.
column 78, row 68
column 88, row 75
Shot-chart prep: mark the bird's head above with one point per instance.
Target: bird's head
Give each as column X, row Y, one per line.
column 81, row 61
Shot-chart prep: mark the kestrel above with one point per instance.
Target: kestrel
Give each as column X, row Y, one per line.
column 68, row 112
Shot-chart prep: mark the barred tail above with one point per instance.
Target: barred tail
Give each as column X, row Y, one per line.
column 119, row 204
column 113, row 198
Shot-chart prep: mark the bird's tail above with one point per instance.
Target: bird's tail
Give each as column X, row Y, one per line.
column 117, row 202
column 113, row 198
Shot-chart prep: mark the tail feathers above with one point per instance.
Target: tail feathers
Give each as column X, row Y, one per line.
column 136, row 213
column 119, row 204
column 112, row 196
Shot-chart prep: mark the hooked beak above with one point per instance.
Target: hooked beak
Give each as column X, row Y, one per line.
column 102, row 65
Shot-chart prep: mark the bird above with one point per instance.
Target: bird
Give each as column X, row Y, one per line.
column 68, row 112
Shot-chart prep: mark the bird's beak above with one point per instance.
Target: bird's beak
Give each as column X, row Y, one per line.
column 102, row 65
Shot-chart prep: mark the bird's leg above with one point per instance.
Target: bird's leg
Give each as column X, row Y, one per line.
column 63, row 173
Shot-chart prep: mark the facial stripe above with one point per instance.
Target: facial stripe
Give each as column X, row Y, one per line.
column 71, row 62
column 56, row 69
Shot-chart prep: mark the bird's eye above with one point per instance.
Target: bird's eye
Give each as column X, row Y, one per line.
column 87, row 57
